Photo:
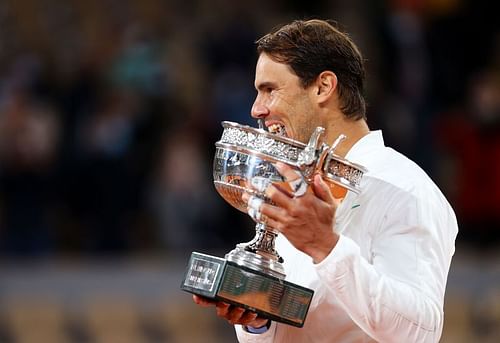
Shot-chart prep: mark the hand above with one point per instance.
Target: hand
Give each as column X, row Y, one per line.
column 306, row 221
column 234, row 315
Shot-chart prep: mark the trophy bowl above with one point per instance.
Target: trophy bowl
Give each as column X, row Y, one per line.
column 252, row 275
column 245, row 153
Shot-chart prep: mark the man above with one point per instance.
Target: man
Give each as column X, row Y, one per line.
column 378, row 261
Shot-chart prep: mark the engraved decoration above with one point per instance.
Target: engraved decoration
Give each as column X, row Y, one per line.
column 344, row 172
column 261, row 141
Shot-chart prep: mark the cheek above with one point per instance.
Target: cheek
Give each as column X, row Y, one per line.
column 273, row 102
column 280, row 107
column 305, row 122
column 279, row 100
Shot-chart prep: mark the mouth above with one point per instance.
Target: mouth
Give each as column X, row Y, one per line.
column 278, row 129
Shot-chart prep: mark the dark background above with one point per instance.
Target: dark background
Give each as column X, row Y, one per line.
column 109, row 111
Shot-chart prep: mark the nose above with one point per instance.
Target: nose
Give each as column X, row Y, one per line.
column 259, row 110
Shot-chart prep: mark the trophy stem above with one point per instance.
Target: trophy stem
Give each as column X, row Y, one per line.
column 260, row 253
column 264, row 242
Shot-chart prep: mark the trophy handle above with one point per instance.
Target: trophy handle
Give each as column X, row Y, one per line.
column 308, row 156
column 327, row 152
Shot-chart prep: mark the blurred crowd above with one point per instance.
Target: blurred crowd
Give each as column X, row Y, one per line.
column 109, row 111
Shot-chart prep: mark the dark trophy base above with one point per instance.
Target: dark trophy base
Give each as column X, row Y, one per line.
column 216, row 278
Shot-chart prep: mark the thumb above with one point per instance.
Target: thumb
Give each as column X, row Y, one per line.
column 322, row 190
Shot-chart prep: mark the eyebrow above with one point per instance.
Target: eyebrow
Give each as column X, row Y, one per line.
column 265, row 84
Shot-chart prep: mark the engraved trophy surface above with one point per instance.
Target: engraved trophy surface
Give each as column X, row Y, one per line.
column 252, row 274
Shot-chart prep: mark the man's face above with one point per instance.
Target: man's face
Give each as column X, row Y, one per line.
column 283, row 104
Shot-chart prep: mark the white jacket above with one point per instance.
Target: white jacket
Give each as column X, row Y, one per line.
column 385, row 279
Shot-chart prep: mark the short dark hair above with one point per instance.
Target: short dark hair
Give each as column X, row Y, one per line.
column 313, row 46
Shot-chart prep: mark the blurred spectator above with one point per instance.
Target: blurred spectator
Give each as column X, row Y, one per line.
column 403, row 107
column 29, row 132
column 229, row 53
column 107, row 187
column 469, row 146
column 182, row 197
column 137, row 65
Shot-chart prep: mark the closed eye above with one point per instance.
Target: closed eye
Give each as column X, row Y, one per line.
column 266, row 87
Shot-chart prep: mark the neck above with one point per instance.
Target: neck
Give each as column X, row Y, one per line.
column 354, row 130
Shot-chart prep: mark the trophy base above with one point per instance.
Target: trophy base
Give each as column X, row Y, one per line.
column 270, row 297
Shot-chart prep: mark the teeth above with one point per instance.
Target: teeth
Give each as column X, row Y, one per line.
column 277, row 129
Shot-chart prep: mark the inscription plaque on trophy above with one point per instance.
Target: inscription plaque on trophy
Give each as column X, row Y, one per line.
column 252, row 275
column 271, row 297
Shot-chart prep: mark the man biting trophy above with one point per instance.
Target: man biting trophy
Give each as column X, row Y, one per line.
column 378, row 259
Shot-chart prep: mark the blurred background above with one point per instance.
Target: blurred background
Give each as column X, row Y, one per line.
column 109, row 111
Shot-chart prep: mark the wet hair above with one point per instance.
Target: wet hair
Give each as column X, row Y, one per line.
column 313, row 46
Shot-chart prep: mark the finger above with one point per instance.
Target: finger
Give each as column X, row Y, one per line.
column 322, row 191
column 279, row 196
column 274, row 216
column 272, row 224
column 295, row 179
column 254, row 204
column 247, row 318
column 287, row 172
column 283, row 188
column 234, row 314
column 222, row 309
column 204, row 302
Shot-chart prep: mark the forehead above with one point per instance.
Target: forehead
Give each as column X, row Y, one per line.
column 268, row 70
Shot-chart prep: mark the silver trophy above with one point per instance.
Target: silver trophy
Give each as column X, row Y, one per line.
column 252, row 275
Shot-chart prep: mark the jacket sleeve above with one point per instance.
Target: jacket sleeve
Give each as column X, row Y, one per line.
column 397, row 293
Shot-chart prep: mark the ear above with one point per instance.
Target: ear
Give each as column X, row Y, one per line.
column 326, row 84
